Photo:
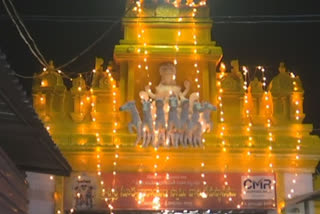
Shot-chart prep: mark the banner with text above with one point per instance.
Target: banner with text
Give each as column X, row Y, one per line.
column 174, row 191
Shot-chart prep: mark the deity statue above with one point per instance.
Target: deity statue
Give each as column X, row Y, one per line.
column 282, row 68
column 98, row 73
column 168, row 85
column 235, row 70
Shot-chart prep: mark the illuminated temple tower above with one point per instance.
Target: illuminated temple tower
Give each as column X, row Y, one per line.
column 257, row 157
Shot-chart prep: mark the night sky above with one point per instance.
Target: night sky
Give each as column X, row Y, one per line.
column 297, row 44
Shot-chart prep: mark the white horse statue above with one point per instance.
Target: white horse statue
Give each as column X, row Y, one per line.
column 173, row 121
column 147, row 122
column 160, row 122
column 135, row 121
column 147, row 126
column 194, row 125
column 184, row 120
column 206, row 116
column 196, row 135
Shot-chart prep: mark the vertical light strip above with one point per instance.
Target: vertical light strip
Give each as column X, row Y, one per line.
column 92, row 100
column 156, row 200
column 115, row 139
column 267, row 100
column 176, row 47
column 297, row 113
column 195, row 51
column 142, row 41
column 222, row 126
column 196, row 68
column 141, row 67
column 248, row 118
column 144, row 66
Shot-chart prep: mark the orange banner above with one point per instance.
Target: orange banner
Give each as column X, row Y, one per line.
column 174, row 191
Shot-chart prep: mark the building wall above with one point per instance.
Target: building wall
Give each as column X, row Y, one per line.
column 316, row 182
column 41, row 193
column 13, row 187
column 305, row 185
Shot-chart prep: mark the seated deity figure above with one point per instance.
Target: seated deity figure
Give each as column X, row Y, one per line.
column 168, row 85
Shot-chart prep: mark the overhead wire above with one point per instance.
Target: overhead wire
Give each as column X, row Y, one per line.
column 23, row 76
column 105, row 33
column 90, row 46
column 22, row 35
column 223, row 20
column 36, row 52
column 27, row 32
column 220, row 19
column 116, row 20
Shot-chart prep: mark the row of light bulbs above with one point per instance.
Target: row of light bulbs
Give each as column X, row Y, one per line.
column 268, row 114
column 248, row 118
column 298, row 139
column 156, row 201
column 223, row 127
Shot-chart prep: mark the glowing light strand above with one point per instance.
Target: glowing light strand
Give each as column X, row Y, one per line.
column 267, row 99
column 295, row 104
column 115, row 139
column 156, row 200
column 222, row 127
column 248, row 118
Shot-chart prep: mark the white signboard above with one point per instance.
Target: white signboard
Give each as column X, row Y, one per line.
column 258, row 187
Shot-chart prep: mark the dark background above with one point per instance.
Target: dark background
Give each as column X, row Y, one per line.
column 253, row 43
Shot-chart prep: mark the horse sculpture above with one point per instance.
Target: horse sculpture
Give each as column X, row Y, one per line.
column 147, row 126
column 169, row 117
column 191, row 136
column 173, row 121
column 160, row 122
column 206, row 116
column 184, row 120
column 135, row 121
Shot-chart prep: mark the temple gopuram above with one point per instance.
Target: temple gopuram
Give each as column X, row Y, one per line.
column 165, row 127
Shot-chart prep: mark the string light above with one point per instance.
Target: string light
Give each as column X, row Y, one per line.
column 115, row 140
column 203, row 194
column 268, row 113
column 204, row 182
column 267, row 101
column 144, row 64
column 247, row 112
column 142, row 40
column 222, row 126
column 156, row 199
column 264, row 79
column 195, row 51
column 298, row 137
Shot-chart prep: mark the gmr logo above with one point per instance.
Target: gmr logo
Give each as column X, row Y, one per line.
column 260, row 184
column 258, row 187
